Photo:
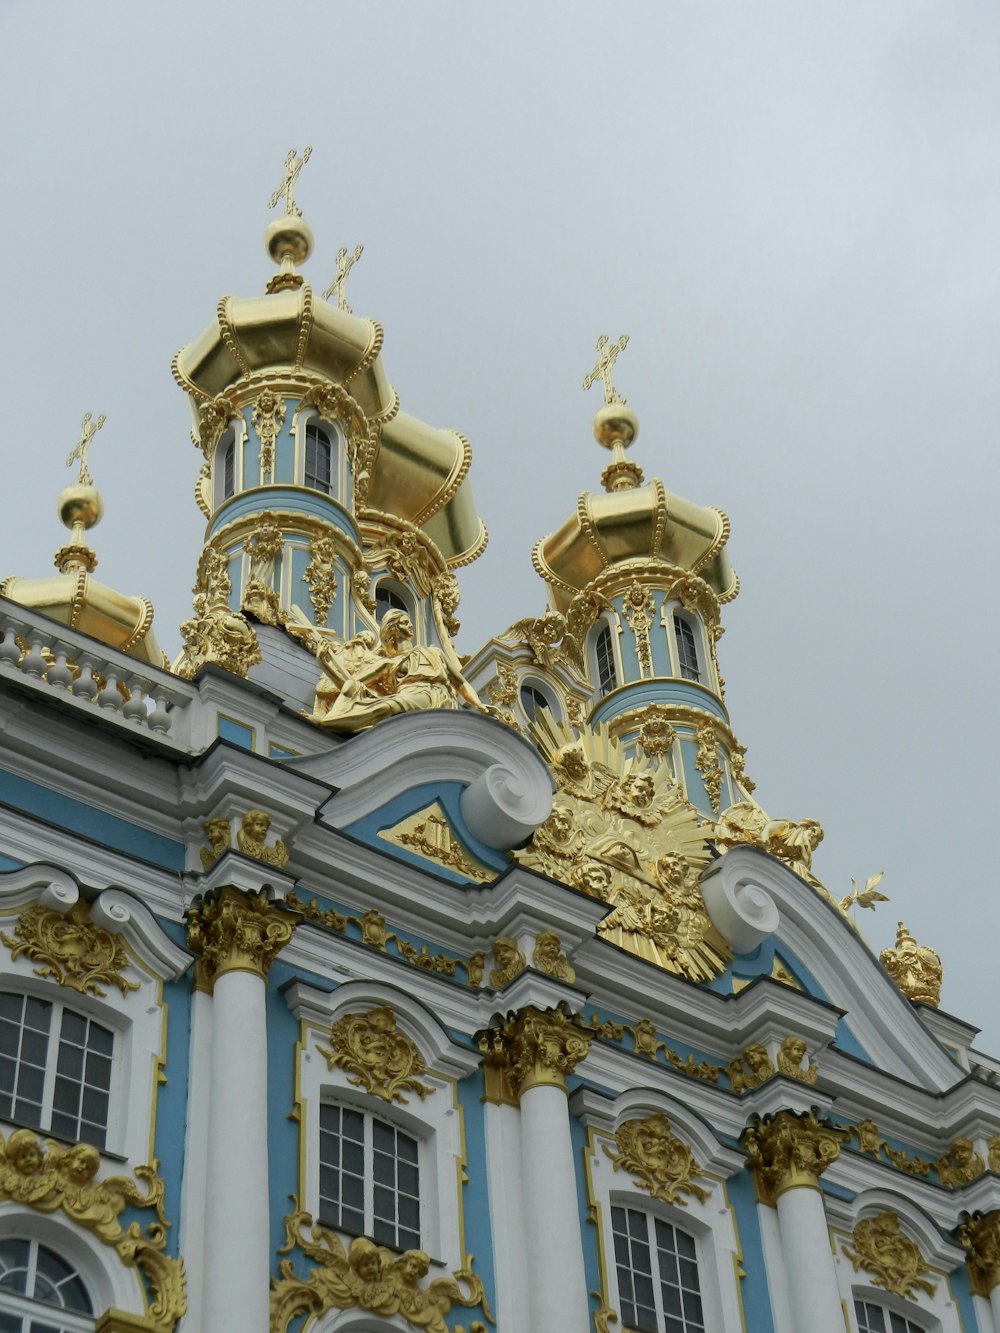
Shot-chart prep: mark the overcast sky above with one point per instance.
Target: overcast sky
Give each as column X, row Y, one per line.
column 792, row 208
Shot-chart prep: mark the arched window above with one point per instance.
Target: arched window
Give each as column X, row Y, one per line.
column 607, row 676
column 319, row 459
column 55, row 1069
column 687, row 649
column 229, row 468
column 39, row 1291
column 880, row 1319
column 386, row 599
column 657, row 1267
column 369, row 1177
column 532, row 700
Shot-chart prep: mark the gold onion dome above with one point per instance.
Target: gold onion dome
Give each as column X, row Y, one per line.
column 631, row 524
column 292, row 341
column 73, row 597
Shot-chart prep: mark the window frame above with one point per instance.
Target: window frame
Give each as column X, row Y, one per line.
column 391, row 589
column 315, row 426
column 698, row 673
column 529, row 685
column 32, row 1309
column 229, row 440
column 370, row 1116
column 862, row 1297
column 651, row 1222
column 59, row 1009
column 605, row 683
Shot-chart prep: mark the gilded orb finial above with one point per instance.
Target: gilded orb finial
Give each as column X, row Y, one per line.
column 615, row 424
column 344, row 266
column 289, row 238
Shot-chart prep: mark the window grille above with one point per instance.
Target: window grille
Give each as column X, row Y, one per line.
column 532, row 699
column 55, row 1069
column 657, row 1266
column 878, row 1319
column 39, row 1291
column 607, row 676
column 369, row 1177
column 319, row 459
column 229, row 470
column 387, row 599
column 687, row 650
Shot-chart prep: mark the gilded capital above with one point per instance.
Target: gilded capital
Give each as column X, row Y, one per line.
column 980, row 1234
column 532, row 1048
column 790, row 1150
column 233, row 931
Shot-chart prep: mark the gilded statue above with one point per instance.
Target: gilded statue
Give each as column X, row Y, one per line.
column 220, row 839
column 750, row 1069
column 915, row 968
column 791, row 1056
column 548, row 957
column 510, row 961
column 960, row 1164
column 621, row 831
column 366, row 1276
column 252, row 839
column 364, row 682
column 745, row 823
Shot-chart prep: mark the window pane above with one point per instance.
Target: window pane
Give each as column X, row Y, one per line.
column 318, row 459
column 687, row 652
column 607, row 676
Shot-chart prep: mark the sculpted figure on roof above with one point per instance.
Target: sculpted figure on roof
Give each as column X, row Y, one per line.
column 364, row 682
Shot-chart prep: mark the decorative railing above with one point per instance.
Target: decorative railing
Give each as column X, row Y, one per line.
column 58, row 659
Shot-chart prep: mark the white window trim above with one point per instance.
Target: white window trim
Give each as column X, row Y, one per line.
column 137, row 1019
column 933, row 1314
column 436, row 1121
column 711, row 1223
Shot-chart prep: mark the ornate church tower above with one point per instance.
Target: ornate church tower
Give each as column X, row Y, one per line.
column 325, row 503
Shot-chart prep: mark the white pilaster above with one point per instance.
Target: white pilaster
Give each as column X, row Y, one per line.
column 237, row 1243
column 557, row 1287
column 503, row 1147
column 192, row 1234
column 813, row 1293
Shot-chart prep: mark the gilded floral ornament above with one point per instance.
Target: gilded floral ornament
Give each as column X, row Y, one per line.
column 707, row 762
column 790, row 1150
column 639, row 608
column 268, row 417
column 510, row 962
column 656, row 735
column 376, row 1056
column 263, row 547
column 52, row 1177
column 232, row 931
column 365, row 681
column 536, row 1047
column 622, row 831
column 960, row 1164
column 867, row 897
column 71, row 949
column 979, row 1233
column 320, row 576
column 870, row 1141
column 604, row 1316
column 993, row 1147
column 892, row 1259
column 915, row 968
column 646, row 1042
column 215, row 635
column 214, row 415
column 447, row 597
column 549, row 958
column 660, row 1162
column 366, row 1276
column 737, row 761
column 429, row 834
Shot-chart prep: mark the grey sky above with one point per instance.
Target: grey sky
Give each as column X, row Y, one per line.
column 792, row 208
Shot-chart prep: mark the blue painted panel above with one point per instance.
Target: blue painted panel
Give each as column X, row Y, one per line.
column 294, row 499
column 236, row 732
column 75, row 816
column 283, row 1134
column 407, row 803
column 962, row 1292
column 172, row 1096
column 626, row 643
column 8, row 863
column 475, row 1195
column 753, row 1288
column 284, row 458
column 659, row 691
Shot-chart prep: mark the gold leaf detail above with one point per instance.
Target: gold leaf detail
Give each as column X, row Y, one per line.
column 891, row 1258
column 915, row 968
column 72, row 950
column 376, row 1056
column 548, row 957
column 366, row 1276
column 429, row 833
column 789, row 1150
column 660, row 1162
column 319, row 575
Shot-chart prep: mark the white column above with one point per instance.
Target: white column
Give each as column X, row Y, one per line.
column 813, row 1292
column 995, row 1306
column 237, row 1217
column 503, row 1147
column 192, row 1221
column 557, row 1285
column 238, row 936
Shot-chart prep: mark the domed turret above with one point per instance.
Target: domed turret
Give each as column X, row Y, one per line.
column 73, row 596
column 315, row 485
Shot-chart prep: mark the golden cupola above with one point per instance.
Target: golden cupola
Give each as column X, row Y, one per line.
column 73, row 596
column 318, row 490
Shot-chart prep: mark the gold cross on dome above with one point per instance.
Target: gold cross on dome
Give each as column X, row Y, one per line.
column 88, row 430
column 344, row 266
column 293, row 165
column 607, row 355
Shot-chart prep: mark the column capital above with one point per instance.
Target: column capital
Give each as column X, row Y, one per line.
column 980, row 1234
column 531, row 1048
column 233, row 931
column 790, row 1150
